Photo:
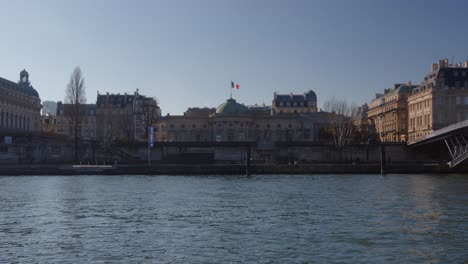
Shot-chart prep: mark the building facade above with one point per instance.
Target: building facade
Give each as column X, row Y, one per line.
column 361, row 122
column 388, row 112
column 440, row 100
column 125, row 117
column 20, row 106
column 294, row 103
column 62, row 122
column 232, row 122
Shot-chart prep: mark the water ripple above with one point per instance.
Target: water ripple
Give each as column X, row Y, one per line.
column 259, row 219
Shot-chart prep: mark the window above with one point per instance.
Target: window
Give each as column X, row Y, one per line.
column 458, row 100
column 465, row 100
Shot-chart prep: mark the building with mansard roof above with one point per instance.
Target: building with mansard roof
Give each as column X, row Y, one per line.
column 440, row 100
column 388, row 113
column 125, row 116
column 294, row 103
column 20, row 107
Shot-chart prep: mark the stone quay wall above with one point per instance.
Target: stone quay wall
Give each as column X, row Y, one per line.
column 55, row 151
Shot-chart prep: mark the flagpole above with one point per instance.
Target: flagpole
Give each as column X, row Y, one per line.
column 231, row 89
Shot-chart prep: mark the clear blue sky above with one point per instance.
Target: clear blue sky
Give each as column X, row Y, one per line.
column 185, row 53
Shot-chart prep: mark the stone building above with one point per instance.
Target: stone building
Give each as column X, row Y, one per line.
column 125, row 117
column 20, row 106
column 440, row 100
column 232, row 121
column 388, row 112
column 361, row 122
column 294, row 103
column 62, row 123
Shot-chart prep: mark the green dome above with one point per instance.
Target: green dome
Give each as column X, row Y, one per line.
column 231, row 107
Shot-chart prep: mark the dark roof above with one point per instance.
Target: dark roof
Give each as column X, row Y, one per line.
column 309, row 96
column 231, row 107
column 22, row 88
column 401, row 88
column 450, row 74
column 116, row 100
column 89, row 109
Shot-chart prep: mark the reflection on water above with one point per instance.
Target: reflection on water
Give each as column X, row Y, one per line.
column 260, row 219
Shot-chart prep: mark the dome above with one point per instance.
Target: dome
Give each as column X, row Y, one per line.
column 24, row 73
column 231, row 107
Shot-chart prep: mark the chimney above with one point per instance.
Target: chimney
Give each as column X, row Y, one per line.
column 443, row 63
column 435, row 66
column 465, row 64
column 409, row 84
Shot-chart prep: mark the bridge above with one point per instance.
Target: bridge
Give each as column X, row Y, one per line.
column 455, row 138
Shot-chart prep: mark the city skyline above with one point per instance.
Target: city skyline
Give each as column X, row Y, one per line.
column 187, row 56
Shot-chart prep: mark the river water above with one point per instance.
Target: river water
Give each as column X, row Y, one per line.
column 229, row 219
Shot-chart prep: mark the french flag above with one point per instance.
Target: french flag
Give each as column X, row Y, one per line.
column 235, row 85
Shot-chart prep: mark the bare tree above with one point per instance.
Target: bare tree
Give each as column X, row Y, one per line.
column 343, row 128
column 125, row 125
column 75, row 96
column 111, row 126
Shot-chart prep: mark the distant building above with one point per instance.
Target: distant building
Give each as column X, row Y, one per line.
column 125, row 117
column 49, row 108
column 294, row 103
column 20, row 106
column 361, row 121
column 62, row 123
column 388, row 112
column 232, row 122
column 440, row 100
